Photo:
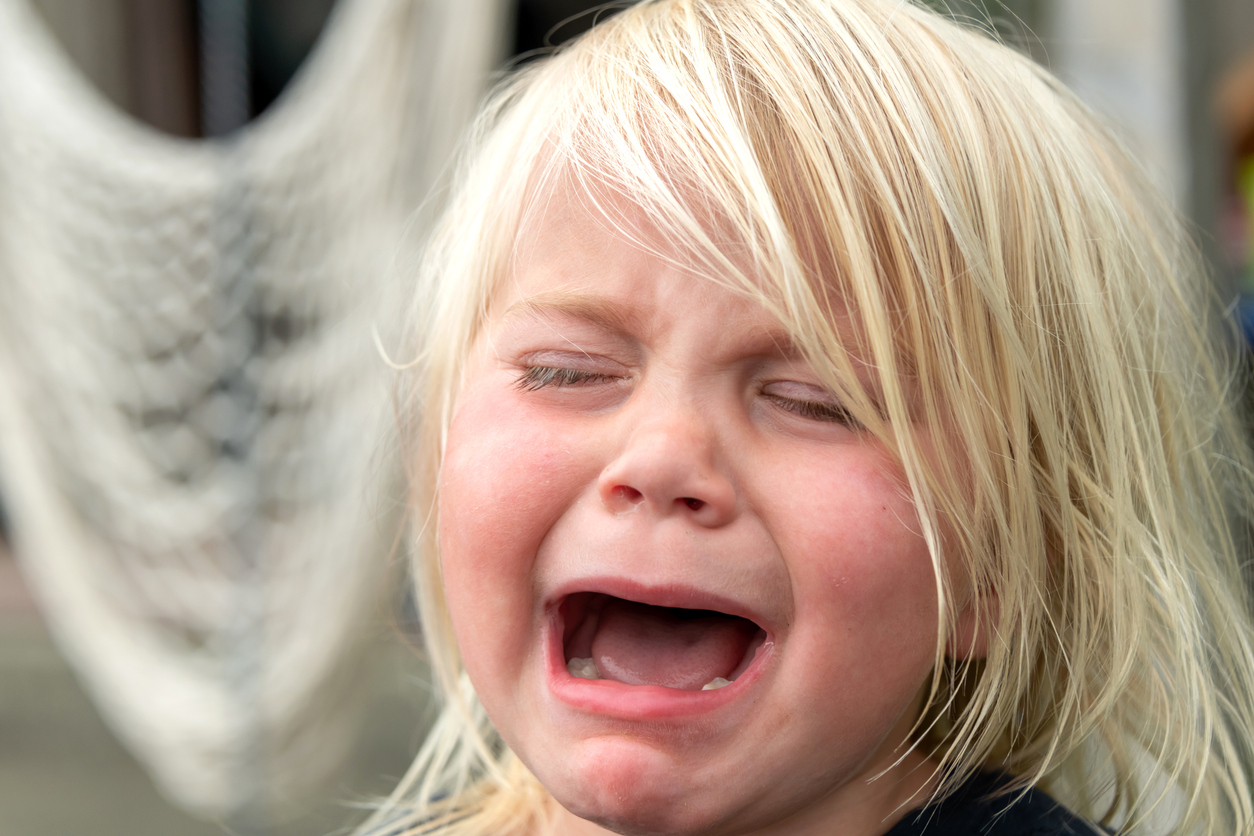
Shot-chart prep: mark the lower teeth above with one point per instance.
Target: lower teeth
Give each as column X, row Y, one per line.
column 583, row 669
column 587, row 669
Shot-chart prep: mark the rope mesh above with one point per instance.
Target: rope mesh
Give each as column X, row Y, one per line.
column 191, row 405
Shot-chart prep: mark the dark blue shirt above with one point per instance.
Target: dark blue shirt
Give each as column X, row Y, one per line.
column 976, row 809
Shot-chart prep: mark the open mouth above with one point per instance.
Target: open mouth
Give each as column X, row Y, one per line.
column 605, row 637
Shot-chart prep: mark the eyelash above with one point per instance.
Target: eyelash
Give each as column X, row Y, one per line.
column 538, row 377
column 814, row 410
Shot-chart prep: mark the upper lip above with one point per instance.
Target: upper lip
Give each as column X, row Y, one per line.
column 676, row 595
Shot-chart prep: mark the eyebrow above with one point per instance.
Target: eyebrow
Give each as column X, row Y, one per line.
column 576, row 305
column 612, row 316
column 780, row 340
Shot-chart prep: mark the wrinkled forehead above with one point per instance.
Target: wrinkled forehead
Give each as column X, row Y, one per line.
column 565, row 255
column 682, row 225
column 690, row 227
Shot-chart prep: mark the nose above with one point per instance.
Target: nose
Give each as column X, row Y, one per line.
column 670, row 465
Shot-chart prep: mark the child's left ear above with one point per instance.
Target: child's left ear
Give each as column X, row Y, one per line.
column 969, row 639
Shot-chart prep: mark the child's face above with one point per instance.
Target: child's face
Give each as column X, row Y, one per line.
column 632, row 441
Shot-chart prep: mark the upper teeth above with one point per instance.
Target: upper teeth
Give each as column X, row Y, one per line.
column 587, row 669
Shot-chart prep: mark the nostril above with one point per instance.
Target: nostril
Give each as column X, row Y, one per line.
column 694, row 504
column 628, row 494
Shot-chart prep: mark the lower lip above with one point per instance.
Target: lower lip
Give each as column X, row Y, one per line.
column 637, row 702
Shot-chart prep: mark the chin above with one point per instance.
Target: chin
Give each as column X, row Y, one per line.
column 632, row 817
column 631, row 793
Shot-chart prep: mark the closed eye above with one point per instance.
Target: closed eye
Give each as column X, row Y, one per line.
column 808, row 401
column 538, row 377
column 814, row 410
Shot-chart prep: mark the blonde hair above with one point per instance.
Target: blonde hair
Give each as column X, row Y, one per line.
column 1001, row 256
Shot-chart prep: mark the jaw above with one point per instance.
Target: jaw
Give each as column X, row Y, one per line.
column 630, row 787
column 636, row 754
column 712, row 761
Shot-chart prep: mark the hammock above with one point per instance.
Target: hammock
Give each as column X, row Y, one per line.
column 191, row 405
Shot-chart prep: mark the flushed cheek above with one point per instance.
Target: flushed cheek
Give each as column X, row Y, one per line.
column 863, row 575
column 856, row 528
column 508, row 473
column 505, row 480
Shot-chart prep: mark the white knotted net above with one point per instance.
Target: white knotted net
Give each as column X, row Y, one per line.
column 191, row 403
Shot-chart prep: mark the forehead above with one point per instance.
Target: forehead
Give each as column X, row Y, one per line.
column 580, row 237
column 602, row 261
column 658, row 216
column 591, row 223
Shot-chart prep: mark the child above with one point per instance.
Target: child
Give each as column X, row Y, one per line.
column 820, row 433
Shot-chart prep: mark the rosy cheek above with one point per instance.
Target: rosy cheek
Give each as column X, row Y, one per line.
column 505, row 479
column 500, row 466
column 869, row 564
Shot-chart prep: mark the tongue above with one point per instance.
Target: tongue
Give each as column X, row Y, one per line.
column 642, row 645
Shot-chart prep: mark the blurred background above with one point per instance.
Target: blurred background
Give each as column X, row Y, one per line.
column 203, row 208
